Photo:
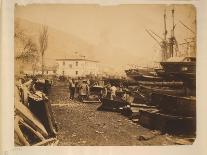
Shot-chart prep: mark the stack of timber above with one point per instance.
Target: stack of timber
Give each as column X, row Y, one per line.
column 174, row 114
column 139, row 102
column 163, row 106
column 115, row 105
column 29, row 130
column 133, row 110
column 175, row 105
column 142, row 74
column 170, row 90
column 34, row 123
column 167, row 123
column 172, row 84
column 148, row 90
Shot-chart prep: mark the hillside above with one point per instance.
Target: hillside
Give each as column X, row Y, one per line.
column 60, row 44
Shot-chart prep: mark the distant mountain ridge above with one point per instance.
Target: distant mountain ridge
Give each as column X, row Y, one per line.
column 65, row 45
column 60, row 44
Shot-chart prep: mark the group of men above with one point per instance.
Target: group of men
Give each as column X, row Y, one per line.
column 80, row 88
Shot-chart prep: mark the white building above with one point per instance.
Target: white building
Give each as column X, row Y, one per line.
column 77, row 67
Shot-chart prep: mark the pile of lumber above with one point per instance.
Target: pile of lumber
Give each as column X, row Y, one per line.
column 161, row 106
column 173, row 114
column 33, row 120
column 115, row 105
column 155, row 120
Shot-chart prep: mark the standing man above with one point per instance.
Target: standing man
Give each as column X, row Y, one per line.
column 72, row 88
column 83, row 90
column 113, row 90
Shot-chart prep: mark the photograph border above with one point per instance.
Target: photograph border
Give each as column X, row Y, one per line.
column 7, row 95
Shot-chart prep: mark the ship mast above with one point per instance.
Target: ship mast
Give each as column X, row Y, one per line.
column 173, row 24
column 172, row 40
column 164, row 42
column 188, row 41
column 165, row 27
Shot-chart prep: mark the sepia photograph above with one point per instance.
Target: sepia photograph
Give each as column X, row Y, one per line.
column 105, row 75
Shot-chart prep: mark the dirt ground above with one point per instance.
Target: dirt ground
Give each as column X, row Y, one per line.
column 81, row 124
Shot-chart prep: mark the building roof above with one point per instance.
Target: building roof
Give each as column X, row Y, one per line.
column 76, row 59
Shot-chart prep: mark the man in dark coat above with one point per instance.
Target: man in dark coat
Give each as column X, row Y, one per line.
column 72, row 88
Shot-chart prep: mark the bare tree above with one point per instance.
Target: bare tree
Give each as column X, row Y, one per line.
column 19, row 33
column 29, row 54
column 43, row 41
column 27, row 51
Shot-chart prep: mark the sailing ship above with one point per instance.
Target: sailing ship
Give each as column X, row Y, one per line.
column 174, row 66
column 172, row 101
column 142, row 74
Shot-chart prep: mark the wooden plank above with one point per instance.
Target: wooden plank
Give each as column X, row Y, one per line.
column 50, row 117
column 19, row 133
column 141, row 105
column 162, row 84
column 50, row 141
column 174, row 104
column 33, row 131
column 167, row 123
column 66, row 104
column 162, row 90
column 27, row 115
column 95, row 101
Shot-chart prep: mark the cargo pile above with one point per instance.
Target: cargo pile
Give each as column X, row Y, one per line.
column 163, row 106
column 34, row 123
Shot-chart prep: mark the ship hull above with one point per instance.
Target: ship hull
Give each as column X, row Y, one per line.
column 142, row 75
column 184, row 71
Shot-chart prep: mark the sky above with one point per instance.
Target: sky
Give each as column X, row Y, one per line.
column 117, row 33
